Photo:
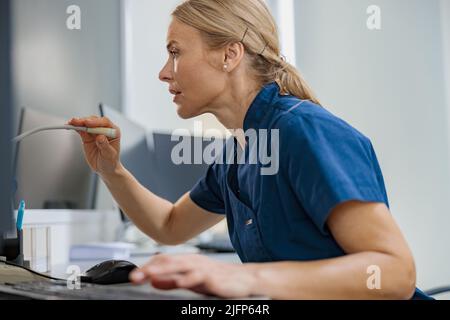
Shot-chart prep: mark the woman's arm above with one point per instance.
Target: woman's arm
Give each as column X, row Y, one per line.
column 365, row 231
column 165, row 222
column 373, row 242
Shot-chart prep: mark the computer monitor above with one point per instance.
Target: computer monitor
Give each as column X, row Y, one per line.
column 176, row 179
column 50, row 168
column 148, row 157
column 135, row 154
column 6, row 216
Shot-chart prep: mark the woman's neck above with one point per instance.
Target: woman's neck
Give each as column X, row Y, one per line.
column 232, row 106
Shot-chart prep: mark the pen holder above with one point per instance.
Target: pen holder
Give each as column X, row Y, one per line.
column 14, row 245
column 14, row 250
column 36, row 247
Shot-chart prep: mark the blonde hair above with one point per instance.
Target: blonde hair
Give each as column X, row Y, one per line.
column 223, row 22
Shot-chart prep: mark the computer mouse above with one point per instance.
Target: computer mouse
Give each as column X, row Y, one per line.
column 109, row 272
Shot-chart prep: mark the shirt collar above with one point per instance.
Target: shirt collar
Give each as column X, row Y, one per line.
column 260, row 105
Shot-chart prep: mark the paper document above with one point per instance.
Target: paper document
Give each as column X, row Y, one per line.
column 102, row 251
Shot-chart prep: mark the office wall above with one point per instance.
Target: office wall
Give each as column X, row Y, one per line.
column 146, row 100
column 61, row 71
column 445, row 21
column 67, row 72
column 391, row 84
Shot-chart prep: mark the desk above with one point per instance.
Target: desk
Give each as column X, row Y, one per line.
column 59, row 271
column 87, row 226
column 128, row 289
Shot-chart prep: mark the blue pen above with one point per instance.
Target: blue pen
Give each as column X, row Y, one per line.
column 20, row 214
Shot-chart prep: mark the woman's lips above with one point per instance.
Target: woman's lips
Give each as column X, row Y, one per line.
column 174, row 92
column 176, row 95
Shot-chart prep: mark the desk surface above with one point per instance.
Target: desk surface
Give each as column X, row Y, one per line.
column 60, row 271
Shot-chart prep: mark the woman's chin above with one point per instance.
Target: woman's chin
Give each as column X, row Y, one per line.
column 186, row 113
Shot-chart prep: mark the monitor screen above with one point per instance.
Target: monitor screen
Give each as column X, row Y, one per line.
column 50, row 168
column 148, row 157
column 177, row 179
column 135, row 153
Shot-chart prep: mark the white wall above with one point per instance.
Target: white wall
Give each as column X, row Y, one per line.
column 390, row 85
column 61, row 71
column 445, row 21
column 67, row 72
column 146, row 99
column 284, row 15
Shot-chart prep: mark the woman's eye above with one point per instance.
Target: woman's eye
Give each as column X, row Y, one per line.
column 174, row 53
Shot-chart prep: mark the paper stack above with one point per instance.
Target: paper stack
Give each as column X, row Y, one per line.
column 101, row 251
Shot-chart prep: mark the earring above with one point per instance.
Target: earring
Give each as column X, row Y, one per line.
column 225, row 67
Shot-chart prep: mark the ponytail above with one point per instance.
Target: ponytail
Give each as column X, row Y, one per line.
column 291, row 82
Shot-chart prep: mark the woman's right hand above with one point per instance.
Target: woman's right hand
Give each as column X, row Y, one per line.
column 101, row 153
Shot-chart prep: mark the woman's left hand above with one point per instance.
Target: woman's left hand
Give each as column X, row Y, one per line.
column 197, row 273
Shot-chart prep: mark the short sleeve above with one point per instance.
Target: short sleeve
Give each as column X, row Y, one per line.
column 207, row 193
column 327, row 163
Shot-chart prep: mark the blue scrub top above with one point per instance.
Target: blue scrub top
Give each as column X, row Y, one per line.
column 322, row 161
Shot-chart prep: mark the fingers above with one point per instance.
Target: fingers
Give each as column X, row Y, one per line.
column 165, row 282
column 187, row 280
column 162, row 266
column 92, row 122
column 80, row 122
column 138, row 277
column 168, row 265
column 85, row 137
column 191, row 279
column 156, row 269
column 101, row 140
column 99, row 122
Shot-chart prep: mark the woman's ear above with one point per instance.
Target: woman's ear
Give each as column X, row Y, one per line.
column 234, row 53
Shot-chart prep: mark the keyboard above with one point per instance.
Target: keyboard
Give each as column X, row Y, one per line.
column 58, row 290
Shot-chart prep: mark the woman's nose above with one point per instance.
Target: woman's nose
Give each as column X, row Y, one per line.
column 165, row 75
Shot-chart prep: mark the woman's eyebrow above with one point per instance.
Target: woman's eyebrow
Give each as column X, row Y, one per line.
column 172, row 42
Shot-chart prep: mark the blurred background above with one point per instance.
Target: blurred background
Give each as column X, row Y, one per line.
column 391, row 83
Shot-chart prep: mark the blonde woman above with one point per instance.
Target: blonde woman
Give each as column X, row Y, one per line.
column 318, row 228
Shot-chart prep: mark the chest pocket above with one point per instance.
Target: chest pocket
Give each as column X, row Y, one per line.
column 243, row 224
